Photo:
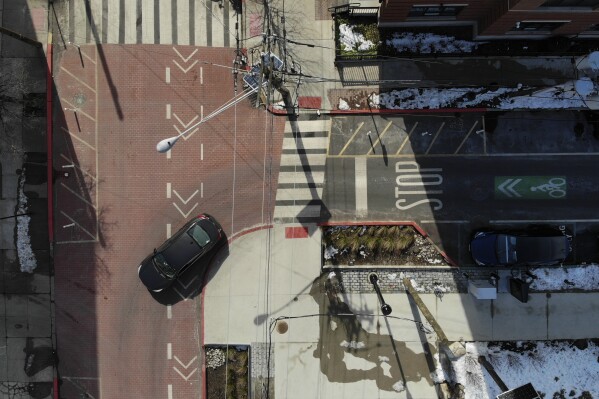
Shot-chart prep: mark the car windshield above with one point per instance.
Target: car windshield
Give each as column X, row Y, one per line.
column 199, row 235
column 163, row 266
column 506, row 249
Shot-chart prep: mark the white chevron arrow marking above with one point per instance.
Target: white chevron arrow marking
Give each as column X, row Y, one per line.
column 507, row 188
column 188, row 199
column 185, row 70
column 185, row 298
column 188, row 364
column 188, row 134
column 184, row 377
column 185, row 215
column 185, row 286
column 185, row 125
column 183, row 58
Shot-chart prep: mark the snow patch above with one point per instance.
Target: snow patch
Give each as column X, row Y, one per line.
column 330, row 253
column 550, row 366
column 399, row 386
column 24, row 250
column 343, row 105
column 352, row 344
column 556, row 279
column 352, row 40
column 426, row 43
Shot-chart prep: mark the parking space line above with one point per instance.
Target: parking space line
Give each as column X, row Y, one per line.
column 77, row 79
column 466, row 138
column 71, row 162
column 434, row 138
column 83, row 53
column 78, row 110
column 78, row 138
column 351, row 138
column 484, row 135
column 77, row 195
column 406, row 139
column 78, row 225
column 379, row 138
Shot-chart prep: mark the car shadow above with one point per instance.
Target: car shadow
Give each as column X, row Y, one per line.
column 191, row 283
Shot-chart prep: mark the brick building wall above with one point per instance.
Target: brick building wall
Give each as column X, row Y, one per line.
column 496, row 19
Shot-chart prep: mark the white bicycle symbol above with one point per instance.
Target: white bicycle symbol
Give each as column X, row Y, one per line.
column 553, row 187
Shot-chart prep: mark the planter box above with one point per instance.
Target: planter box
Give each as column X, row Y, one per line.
column 227, row 371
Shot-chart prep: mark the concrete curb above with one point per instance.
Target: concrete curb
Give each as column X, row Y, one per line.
column 50, row 192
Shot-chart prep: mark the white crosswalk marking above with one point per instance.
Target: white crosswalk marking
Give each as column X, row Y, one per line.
column 301, row 175
column 179, row 22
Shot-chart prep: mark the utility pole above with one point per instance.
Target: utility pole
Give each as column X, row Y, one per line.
column 452, row 350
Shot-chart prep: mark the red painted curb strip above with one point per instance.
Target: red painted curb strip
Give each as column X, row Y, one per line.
column 385, row 111
column 49, row 133
column 405, row 111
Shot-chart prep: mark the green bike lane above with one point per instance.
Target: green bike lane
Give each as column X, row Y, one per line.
column 453, row 196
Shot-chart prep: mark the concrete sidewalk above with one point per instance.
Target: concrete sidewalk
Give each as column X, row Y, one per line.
column 27, row 356
column 269, row 293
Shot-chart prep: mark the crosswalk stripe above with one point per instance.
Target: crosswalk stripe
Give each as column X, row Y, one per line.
column 305, row 142
column 301, row 177
column 299, row 194
column 297, row 159
column 310, row 126
column 183, row 20
column 301, row 171
column 130, row 29
column 166, row 27
column 200, row 23
column 147, row 22
column 179, row 22
column 297, row 211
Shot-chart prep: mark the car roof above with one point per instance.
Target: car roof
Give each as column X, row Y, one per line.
column 181, row 248
column 540, row 249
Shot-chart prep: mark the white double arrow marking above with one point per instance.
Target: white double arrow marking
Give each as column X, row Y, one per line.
column 185, row 215
column 185, row 126
column 507, row 187
column 185, row 286
column 186, row 378
column 185, row 60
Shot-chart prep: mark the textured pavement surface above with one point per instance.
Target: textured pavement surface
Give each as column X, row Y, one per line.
column 122, row 199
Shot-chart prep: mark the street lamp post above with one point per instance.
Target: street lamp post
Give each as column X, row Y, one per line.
column 167, row 144
column 374, row 280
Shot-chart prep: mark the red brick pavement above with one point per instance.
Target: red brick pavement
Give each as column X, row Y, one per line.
column 112, row 335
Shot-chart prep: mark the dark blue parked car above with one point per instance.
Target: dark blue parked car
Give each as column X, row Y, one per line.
column 519, row 248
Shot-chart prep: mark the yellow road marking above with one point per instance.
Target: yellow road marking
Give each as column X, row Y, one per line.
column 351, row 138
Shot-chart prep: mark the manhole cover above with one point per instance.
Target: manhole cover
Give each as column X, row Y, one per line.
column 79, row 100
column 282, row 327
